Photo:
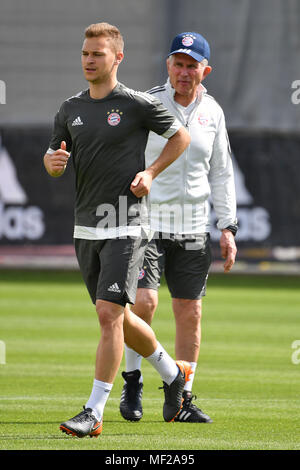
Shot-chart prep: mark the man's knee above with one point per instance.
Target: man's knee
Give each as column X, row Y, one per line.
column 145, row 304
column 109, row 314
column 186, row 310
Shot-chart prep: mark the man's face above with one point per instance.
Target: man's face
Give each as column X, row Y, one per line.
column 186, row 73
column 98, row 59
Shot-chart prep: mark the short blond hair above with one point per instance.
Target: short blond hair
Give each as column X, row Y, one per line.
column 106, row 30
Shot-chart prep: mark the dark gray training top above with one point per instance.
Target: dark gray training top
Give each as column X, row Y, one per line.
column 107, row 139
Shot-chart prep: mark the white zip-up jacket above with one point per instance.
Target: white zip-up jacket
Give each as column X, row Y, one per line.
column 179, row 196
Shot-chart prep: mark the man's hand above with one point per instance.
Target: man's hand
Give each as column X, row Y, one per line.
column 228, row 249
column 56, row 163
column 141, row 184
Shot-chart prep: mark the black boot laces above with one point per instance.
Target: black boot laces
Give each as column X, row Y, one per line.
column 188, row 403
column 83, row 416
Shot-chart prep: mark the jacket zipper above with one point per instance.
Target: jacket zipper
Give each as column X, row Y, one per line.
column 186, row 155
column 186, row 123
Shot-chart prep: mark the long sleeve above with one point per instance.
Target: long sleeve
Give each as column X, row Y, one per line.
column 221, row 178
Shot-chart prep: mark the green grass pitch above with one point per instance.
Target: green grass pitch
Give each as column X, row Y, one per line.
column 247, row 380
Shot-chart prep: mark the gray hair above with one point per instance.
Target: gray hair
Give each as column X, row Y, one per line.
column 204, row 62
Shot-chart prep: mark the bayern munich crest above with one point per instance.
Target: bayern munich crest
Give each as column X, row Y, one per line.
column 203, row 120
column 114, row 117
column 187, row 41
column 141, row 274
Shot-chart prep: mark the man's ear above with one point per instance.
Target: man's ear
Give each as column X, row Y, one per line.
column 168, row 63
column 207, row 71
column 119, row 57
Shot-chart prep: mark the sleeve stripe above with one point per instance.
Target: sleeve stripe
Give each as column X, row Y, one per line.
column 145, row 96
column 172, row 130
column 156, row 89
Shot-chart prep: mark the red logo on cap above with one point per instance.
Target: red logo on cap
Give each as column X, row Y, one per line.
column 187, row 41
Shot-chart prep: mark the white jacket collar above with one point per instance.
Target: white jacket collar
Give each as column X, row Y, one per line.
column 200, row 91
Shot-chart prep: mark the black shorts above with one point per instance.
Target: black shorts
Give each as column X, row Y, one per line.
column 184, row 261
column 110, row 268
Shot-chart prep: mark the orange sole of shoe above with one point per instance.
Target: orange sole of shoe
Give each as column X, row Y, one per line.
column 172, row 420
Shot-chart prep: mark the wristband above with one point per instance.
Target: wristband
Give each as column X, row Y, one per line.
column 233, row 228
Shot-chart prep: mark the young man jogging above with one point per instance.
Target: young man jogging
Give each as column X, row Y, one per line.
column 105, row 128
column 180, row 216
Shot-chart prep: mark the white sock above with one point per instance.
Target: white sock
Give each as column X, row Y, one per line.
column 133, row 360
column 98, row 397
column 164, row 364
column 189, row 384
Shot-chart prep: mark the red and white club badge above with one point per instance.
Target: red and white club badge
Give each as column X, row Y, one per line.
column 141, row 274
column 203, row 120
column 114, row 117
column 187, row 41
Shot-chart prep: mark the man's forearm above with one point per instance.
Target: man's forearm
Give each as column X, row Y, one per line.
column 171, row 151
column 141, row 184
